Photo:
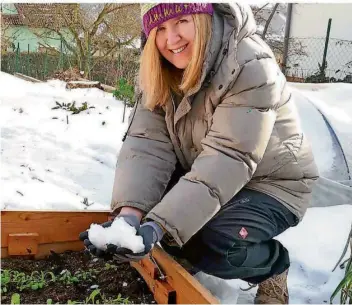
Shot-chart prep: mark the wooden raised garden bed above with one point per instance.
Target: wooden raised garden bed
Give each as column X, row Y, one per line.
column 52, row 237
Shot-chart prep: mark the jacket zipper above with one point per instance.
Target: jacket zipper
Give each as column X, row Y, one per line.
column 175, row 131
column 173, row 122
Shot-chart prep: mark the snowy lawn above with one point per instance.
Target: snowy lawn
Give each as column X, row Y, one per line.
column 48, row 164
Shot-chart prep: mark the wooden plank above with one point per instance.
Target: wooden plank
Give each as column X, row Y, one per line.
column 162, row 291
column 104, row 87
column 189, row 290
column 108, row 88
column 295, row 79
column 23, row 244
column 51, row 226
column 28, row 78
column 83, row 84
column 44, row 249
column 150, row 268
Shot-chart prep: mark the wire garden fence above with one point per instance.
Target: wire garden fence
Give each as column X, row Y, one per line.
column 320, row 60
column 44, row 64
column 308, row 59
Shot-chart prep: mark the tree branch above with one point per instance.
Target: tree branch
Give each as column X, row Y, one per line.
column 73, row 32
column 62, row 38
column 108, row 8
column 269, row 20
column 125, row 43
column 259, row 9
column 99, row 19
column 120, row 7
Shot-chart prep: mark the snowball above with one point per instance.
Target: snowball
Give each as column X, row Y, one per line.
column 97, row 236
column 120, row 233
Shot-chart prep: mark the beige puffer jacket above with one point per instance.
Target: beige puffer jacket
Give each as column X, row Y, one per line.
column 240, row 129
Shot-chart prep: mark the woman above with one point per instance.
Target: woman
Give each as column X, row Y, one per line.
column 215, row 162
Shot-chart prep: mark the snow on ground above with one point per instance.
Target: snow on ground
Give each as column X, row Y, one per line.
column 48, row 164
column 334, row 101
column 331, row 163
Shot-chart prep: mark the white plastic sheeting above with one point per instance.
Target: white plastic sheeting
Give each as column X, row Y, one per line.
column 326, row 118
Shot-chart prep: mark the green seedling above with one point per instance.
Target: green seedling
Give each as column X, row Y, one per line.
column 5, row 280
column 93, row 295
column 110, row 266
column 39, row 279
column 15, row 299
column 67, row 278
column 71, row 107
column 36, row 280
column 118, row 300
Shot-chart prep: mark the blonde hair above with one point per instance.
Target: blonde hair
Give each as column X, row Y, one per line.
column 158, row 77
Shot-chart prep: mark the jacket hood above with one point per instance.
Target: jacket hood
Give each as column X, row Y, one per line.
column 238, row 16
column 230, row 21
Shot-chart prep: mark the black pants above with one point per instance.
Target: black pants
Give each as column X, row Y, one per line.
column 238, row 242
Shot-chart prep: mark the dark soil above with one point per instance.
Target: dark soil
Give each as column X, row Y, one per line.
column 112, row 280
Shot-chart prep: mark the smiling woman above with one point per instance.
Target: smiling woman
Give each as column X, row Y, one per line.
column 181, row 42
column 174, row 40
column 215, row 163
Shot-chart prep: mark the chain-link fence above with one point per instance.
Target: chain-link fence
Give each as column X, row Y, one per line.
column 312, row 66
column 44, row 65
column 318, row 60
column 309, row 59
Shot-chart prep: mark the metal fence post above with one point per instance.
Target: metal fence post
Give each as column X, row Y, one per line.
column 45, row 64
column 287, row 37
column 119, row 60
column 89, row 62
column 28, row 61
column 124, row 110
column 326, row 47
column 17, row 57
column 60, row 66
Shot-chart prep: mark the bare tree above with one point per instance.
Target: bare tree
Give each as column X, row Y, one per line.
column 93, row 29
column 267, row 23
column 273, row 34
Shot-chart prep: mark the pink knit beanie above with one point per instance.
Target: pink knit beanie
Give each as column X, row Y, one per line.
column 154, row 14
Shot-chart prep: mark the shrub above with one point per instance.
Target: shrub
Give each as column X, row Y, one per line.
column 124, row 92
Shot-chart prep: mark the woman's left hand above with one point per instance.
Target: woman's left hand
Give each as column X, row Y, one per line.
column 132, row 219
column 151, row 232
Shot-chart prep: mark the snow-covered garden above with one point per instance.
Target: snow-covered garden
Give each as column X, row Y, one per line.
column 52, row 159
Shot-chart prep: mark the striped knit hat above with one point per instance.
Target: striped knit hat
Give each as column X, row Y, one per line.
column 154, row 14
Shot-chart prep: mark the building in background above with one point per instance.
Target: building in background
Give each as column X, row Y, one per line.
column 24, row 25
